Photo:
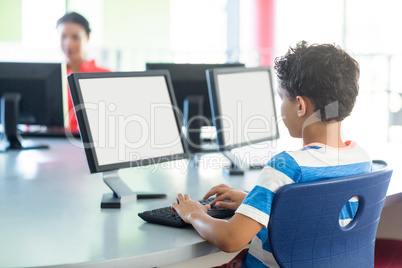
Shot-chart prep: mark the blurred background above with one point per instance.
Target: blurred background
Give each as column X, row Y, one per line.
column 128, row 33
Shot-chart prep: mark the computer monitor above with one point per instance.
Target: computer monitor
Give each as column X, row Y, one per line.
column 32, row 94
column 126, row 119
column 243, row 106
column 191, row 91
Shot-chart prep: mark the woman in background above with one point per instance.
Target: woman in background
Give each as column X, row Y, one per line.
column 74, row 33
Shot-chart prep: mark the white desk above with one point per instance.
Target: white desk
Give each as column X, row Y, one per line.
column 392, row 154
column 50, row 211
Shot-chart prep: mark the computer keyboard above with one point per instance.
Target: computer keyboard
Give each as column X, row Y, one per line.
column 166, row 216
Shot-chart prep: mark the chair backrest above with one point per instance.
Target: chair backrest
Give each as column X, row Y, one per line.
column 304, row 228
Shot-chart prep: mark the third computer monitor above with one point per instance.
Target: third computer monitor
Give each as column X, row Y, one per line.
column 190, row 80
column 191, row 92
column 243, row 106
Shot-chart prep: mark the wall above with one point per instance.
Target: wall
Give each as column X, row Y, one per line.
column 136, row 23
column 136, row 29
column 10, row 20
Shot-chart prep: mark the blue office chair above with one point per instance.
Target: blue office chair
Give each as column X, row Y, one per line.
column 309, row 235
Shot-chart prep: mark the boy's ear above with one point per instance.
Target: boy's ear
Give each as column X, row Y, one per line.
column 302, row 106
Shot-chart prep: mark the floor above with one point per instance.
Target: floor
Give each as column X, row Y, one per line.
column 390, row 226
column 389, row 237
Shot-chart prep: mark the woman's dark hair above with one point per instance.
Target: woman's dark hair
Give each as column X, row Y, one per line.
column 75, row 18
column 325, row 74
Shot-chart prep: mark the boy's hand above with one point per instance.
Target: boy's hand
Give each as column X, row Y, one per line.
column 224, row 192
column 185, row 206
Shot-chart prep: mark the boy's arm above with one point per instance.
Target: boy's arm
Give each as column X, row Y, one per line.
column 229, row 236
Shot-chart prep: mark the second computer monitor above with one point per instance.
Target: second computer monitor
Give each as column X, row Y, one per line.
column 41, row 87
column 31, row 94
column 243, row 106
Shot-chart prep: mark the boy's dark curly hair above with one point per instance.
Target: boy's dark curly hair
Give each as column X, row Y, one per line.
column 325, row 74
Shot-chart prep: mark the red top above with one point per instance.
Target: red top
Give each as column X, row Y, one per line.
column 86, row 67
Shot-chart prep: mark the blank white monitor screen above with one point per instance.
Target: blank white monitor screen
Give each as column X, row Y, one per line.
column 247, row 107
column 130, row 118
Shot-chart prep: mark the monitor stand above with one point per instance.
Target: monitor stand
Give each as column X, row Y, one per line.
column 12, row 140
column 192, row 121
column 122, row 193
column 235, row 165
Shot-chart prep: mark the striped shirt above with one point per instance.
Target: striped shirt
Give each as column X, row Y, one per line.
column 314, row 161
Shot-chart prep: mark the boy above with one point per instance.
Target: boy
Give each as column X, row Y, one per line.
column 318, row 85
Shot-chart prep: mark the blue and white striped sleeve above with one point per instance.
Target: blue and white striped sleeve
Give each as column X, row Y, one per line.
column 282, row 169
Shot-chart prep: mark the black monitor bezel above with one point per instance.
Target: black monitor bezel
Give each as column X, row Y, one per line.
column 85, row 131
column 213, row 89
column 56, row 101
column 189, row 74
